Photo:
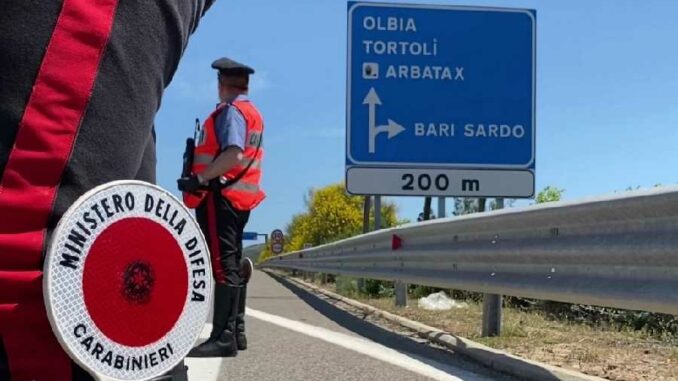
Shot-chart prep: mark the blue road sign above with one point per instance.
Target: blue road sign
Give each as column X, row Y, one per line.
column 250, row 236
column 440, row 87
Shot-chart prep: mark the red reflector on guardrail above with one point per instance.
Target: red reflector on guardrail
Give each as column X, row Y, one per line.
column 396, row 242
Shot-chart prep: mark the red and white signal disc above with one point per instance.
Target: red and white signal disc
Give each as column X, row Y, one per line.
column 127, row 281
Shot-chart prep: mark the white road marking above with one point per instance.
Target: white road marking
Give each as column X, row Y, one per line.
column 204, row 369
column 421, row 366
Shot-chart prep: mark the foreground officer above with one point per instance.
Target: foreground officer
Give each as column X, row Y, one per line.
column 80, row 83
column 227, row 161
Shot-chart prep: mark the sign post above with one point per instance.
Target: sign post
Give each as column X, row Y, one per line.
column 440, row 101
column 442, row 213
column 492, row 305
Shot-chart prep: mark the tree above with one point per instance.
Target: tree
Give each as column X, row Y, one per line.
column 331, row 215
column 463, row 206
column 421, row 217
column 549, row 194
column 265, row 253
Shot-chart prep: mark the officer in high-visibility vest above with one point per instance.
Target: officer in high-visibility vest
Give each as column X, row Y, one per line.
column 224, row 187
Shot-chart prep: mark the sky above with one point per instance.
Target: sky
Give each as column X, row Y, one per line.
column 607, row 95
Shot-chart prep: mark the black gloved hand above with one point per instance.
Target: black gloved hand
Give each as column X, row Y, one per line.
column 189, row 184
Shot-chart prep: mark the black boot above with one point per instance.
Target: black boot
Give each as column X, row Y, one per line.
column 240, row 337
column 220, row 314
column 246, row 268
column 179, row 373
column 222, row 339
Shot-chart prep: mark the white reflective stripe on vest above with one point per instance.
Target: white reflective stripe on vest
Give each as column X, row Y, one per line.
column 256, row 164
column 203, row 158
column 240, row 186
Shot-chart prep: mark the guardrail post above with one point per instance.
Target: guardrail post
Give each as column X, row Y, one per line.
column 400, row 294
column 491, row 315
column 492, row 303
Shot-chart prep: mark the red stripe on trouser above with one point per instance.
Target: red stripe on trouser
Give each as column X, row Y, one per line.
column 215, row 253
column 44, row 142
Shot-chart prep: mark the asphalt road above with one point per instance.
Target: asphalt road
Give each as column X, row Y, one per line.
column 294, row 335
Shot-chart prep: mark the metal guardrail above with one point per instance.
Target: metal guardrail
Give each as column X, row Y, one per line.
column 619, row 251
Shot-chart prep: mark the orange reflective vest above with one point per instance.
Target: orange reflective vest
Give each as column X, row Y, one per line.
column 245, row 193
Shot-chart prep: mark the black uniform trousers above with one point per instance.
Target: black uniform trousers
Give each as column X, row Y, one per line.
column 223, row 227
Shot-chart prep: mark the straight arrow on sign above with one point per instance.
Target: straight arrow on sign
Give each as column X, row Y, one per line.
column 372, row 101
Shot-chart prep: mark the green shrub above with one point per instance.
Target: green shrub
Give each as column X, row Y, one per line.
column 346, row 286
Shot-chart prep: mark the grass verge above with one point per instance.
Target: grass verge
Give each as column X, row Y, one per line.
column 615, row 354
